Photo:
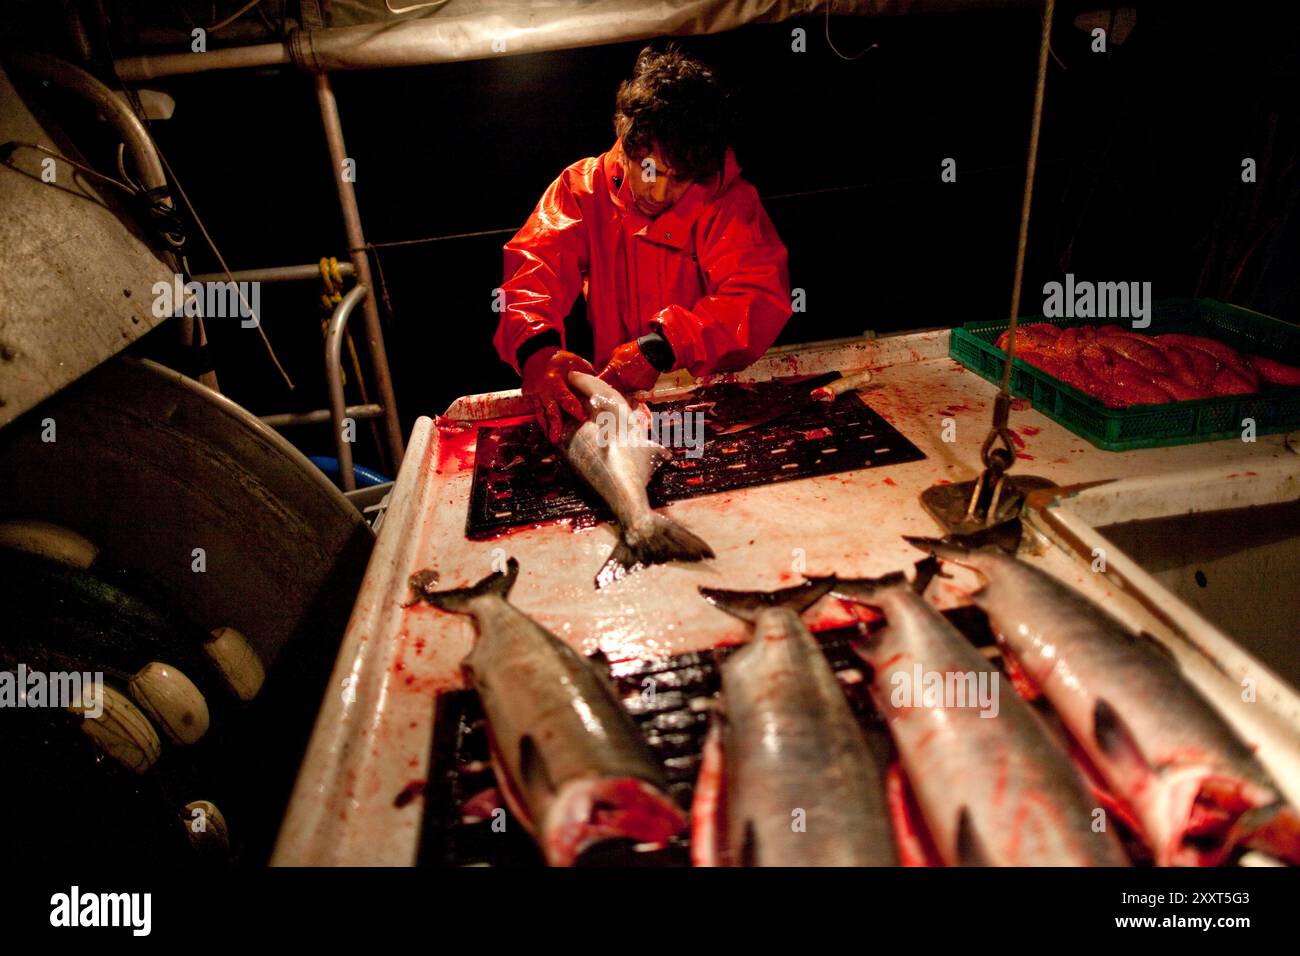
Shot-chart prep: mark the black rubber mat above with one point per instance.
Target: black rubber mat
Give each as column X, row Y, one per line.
column 666, row 696
column 521, row 479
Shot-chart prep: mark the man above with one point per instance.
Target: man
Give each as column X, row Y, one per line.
column 679, row 263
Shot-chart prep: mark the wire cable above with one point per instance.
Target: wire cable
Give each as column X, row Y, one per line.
column 413, row 7
column 233, row 17
column 829, row 43
column 198, row 221
column 7, row 149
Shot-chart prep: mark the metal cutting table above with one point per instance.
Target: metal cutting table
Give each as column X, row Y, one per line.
column 357, row 797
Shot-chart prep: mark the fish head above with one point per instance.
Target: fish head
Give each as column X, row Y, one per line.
column 1199, row 814
column 594, row 810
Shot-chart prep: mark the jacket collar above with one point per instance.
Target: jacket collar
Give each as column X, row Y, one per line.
column 672, row 227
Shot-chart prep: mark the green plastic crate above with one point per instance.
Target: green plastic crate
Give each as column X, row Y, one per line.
column 1276, row 409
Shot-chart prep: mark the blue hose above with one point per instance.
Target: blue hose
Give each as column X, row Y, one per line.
column 364, row 476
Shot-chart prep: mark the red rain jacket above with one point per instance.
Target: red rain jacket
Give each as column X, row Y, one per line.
column 709, row 273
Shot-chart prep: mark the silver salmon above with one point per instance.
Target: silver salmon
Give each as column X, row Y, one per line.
column 612, row 453
column 993, row 787
column 1195, row 787
column 571, row 763
column 792, row 781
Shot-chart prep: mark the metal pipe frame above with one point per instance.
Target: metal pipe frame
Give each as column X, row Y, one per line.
column 357, row 251
column 136, row 68
column 334, row 380
column 72, row 78
column 303, row 272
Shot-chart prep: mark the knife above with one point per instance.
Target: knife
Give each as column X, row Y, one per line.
column 847, row 382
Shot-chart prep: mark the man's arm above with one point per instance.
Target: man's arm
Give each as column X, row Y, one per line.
column 544, row 265
column 744, row 265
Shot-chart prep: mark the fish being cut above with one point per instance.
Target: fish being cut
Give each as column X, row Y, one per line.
column 788, row 778
column 1195, row 786
column 993, row 787
column 572, row 764
column 613, row 454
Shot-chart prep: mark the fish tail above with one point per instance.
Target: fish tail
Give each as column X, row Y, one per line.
column 656, row 540
column 747, row 605
column 1004, row 536
column 863, row 589
column 458, row 599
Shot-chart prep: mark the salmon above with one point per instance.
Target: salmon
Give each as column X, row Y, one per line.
column 613, row 455
column 1196, row 788
column 789, row 779
column 993, row 787
column 572, row 765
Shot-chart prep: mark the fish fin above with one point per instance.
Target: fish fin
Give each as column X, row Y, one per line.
column 749, row 846
column 532, row 766
column 1004, row 536
column 458, row 599
column 656, row 540
column 422, row 583
column 861, row 590
column 650, row 456
column 927, row 569
column 1114, row 736
column 1273, row 830
column 599, row 663
column 971, row 850
column 746, row 605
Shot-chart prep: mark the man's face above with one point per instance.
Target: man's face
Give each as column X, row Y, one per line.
column 655, row 185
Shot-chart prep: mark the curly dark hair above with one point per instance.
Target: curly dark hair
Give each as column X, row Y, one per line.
column 675, row 102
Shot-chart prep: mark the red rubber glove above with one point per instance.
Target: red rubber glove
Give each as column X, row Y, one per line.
column 628, row 370
column 546, row 382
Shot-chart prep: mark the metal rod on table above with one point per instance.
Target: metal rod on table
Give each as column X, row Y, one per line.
column 334, row 379
column 329, row 112
column 303, row 272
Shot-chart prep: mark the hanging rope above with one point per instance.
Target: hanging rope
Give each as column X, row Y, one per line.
column 333, row 282
column 998, row 453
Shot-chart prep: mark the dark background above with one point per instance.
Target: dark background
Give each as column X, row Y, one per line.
column 1139, row 177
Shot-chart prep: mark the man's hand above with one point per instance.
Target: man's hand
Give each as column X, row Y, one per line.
column 628, row 370
column 546, row 381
